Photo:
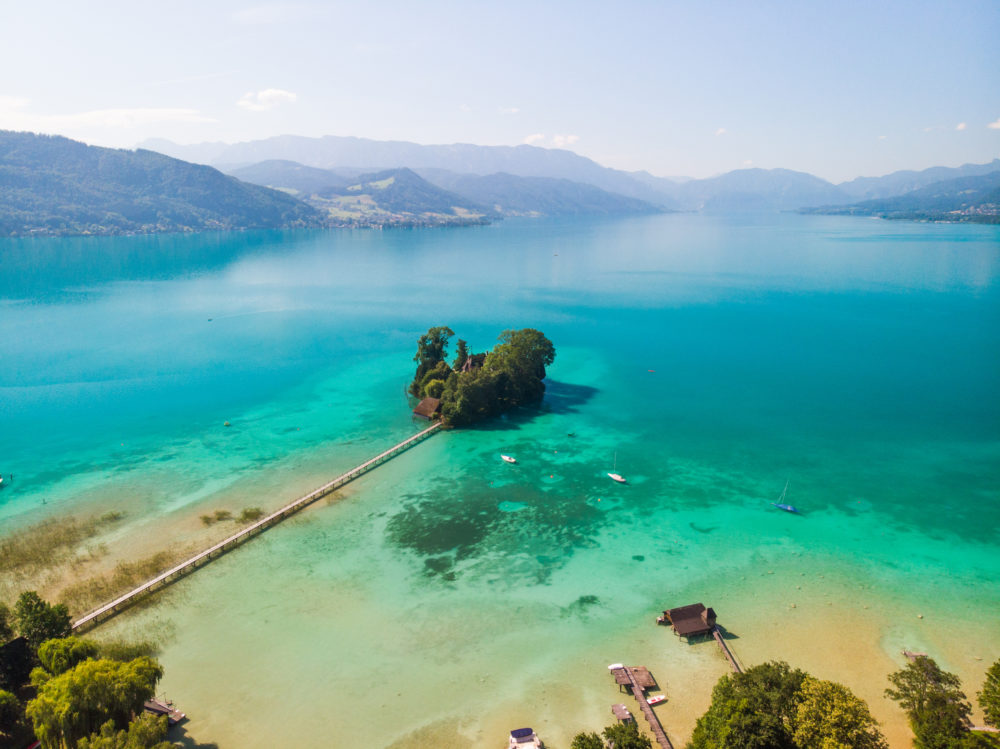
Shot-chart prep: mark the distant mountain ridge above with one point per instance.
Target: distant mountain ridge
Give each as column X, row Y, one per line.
column 497, row 194
column 902, row 182
column 50, row 185
column 332, row 151
column 744, row 189
column 965, row 199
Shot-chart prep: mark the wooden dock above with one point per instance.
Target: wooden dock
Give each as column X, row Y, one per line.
column 638, row 680
column 108, row 610
column 725, row 650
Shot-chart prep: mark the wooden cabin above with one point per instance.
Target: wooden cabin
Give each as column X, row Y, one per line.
column 428, row 408
column 689, row 621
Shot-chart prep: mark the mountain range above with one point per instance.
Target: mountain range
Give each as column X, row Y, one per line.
column 744, row 189
column 965, row 199
column 440, row 192
column 50, row 185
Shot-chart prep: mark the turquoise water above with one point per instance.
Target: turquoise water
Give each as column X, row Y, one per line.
column 710, row 358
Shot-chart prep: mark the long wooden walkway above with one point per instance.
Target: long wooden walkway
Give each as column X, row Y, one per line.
column 726, row 651
column 638, row 691
column 108, row 610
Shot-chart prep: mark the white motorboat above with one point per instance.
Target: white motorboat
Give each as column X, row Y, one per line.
column 508, row 459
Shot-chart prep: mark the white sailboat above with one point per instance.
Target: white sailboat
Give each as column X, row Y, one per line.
column 614, row 475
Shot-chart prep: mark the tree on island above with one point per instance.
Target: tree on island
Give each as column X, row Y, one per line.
column 480, row 386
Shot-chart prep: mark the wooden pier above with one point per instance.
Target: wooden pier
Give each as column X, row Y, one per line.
column 725, row 650
column 108, row 610
column 638, row 679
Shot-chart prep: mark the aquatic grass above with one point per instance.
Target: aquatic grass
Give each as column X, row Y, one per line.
column 50, row 543
column 86, row 594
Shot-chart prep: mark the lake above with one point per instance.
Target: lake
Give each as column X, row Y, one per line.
column 448, row 597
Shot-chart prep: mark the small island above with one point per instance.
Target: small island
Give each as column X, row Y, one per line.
column 475, row 387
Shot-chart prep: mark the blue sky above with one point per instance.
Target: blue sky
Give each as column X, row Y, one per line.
column 839, row 89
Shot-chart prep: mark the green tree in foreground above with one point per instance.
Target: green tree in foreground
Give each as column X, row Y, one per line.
column 77, row 703
column 830, row 716
column 989, row 697
column 10, row 713
column 626, row 736
column 430, row 352
column 752, row 710
column 38, row 621
column 934, row 703
column 6, row 633
column 145, row 732
column 60, row 655
column 587, row 741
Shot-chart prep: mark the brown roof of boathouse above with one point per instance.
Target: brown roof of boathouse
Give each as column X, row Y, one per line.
column 690, row 620
column 427, row 408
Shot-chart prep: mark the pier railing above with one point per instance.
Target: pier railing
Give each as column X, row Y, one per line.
column 108, row 610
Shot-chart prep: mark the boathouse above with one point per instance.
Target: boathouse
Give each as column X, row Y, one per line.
column 689, row 621
column 428, row 408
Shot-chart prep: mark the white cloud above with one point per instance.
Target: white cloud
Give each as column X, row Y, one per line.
column 8, row 103
column 748, row 162
column 561, row 141
column 534, row 138
column 464, row 108
column 509, row 110
column 960, row 126
column 994, row 125
column 721, row 131
column 269, row 98
column 14, row 116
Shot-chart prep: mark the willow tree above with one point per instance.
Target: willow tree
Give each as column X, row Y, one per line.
column 77, row 703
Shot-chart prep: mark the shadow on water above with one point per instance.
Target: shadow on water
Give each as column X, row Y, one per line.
column 560, row 398
column 565, row 397
column 178, row 736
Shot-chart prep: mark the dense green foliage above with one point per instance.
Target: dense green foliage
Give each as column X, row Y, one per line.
column 830, row 716
column 989, row 697
column 10, row 713
column 509, row 376
column 618, row 736
column 6, row 632
column 772, row 706
column 586, row 741
column 38, row 621
column 145, row 732
column 752, row 710
column 53, row 185
column 934, row 703
column 58, row 656
column 75, row 704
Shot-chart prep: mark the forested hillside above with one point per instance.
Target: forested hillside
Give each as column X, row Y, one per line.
column 50, row 185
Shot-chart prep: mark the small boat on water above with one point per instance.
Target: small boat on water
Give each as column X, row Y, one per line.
column 508, row 459
column 781, row 505
column 614, row 475
column 524, row 737
column 657, row 699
